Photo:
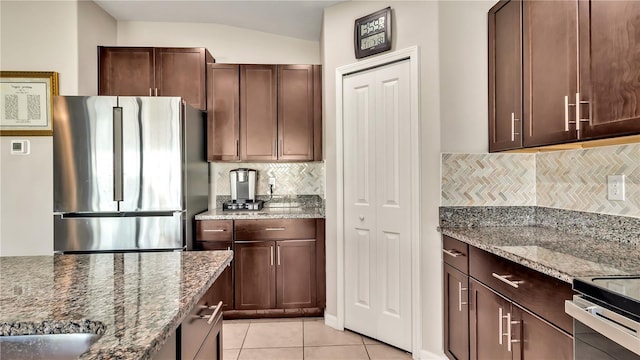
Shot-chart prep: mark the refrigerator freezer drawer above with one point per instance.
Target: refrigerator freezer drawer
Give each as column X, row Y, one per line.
column 92, row 234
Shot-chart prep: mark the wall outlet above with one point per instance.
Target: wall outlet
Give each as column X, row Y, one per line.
column 272, row 181
column 615, row 187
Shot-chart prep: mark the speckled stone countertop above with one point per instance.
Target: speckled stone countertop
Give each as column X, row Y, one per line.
column 559, row 243
column 279, row 207
column 135, row 300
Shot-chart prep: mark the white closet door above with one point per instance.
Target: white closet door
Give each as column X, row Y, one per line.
column 377, row 203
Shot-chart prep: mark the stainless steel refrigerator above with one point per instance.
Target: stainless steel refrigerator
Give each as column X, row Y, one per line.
column 130, row 173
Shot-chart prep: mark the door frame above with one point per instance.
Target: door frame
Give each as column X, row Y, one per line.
column 410, row 54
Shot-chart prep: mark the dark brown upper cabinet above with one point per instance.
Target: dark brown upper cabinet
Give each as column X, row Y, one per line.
column 609, row 68
column 264, row 112
column 258, row 113
column 505, row 76
column 148, row 71
column 580, row 64
column 550, row 71
column 223, row 115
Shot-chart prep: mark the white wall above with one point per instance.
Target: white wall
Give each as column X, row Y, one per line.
column 39, row 36
column 415, row 23
column 463, row 76
column 227, row 44
column 96, row 27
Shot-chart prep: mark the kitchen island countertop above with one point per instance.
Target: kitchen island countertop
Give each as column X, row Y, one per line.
column 134, row 300
column 553, row 252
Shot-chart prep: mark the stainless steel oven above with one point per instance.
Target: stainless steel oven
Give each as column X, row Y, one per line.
column 606, row 318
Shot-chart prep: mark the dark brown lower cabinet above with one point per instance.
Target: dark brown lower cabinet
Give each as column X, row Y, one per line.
column 456, row 314
column 222, row 289
column 255, row 275
column 500, row 329
column 275, row 274
column 296, row 274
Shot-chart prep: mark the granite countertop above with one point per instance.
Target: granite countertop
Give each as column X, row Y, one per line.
column 278, row 207
column 551, row 251
column 135, row 300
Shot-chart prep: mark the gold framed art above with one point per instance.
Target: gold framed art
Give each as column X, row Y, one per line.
column 26, row 102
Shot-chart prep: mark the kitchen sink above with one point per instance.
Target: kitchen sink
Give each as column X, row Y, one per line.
column 46, row 346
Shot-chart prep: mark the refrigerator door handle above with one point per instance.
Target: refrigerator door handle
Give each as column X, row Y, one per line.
column 117, row 154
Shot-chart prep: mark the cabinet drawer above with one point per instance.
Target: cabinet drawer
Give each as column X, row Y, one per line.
column 275, row 229
column 535, row 291
column 214, row 230
column 455, row 253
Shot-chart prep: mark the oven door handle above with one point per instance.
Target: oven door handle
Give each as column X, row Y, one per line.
column 620, row 329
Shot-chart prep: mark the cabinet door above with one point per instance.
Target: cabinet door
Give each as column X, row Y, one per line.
column 258, row 115
column 295, row 112
column 255, row 274
column 211, row 348
column 505, row 75
column 538, row 338
column 456, row 313
column 296, row 274
column 223, row 115
column 222, row 289
column 125, row 71
column 550, row 71
column 182, row 72
column 609, row 67
column 487, row 316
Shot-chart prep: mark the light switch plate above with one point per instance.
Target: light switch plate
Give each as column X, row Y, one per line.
column 615, row 187
column 20, row 147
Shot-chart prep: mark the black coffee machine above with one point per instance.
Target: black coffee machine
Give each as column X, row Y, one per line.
column 243, row 190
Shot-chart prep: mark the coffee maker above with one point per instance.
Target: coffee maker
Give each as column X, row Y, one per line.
column 243, row 190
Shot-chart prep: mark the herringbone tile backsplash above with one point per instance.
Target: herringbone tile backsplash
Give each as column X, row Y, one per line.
column 570, row 179
column 577, row 179
column 488, row 180
column 304, row 178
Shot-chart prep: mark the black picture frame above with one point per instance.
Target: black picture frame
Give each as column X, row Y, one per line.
column 372, row 33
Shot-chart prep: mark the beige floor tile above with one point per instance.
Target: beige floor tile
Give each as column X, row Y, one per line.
column 230, row 354
column 386, row 352
column 274, row 335
column 369, row 341
column 271, row 354
column 346, row 352
column 306, row 319
column 233, row 334
column 316, row 333
column 279, row 320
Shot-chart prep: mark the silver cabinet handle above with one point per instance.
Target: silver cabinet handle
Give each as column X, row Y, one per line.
column 504, row 279
column 275, row 148
column 271, row 255
column 214, row 230
column 156, row 91
column 460, row 290
column 149, row 91
column 566, row 113
column 513, row 126
column 237, row 148
column 278, row 255
column 275, row 229
column 510, row 340
column 500, row 333
column 215, row 313
column 578, row 114
column 452, row 253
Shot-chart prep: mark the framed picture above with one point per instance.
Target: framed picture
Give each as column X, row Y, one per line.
column 26, row 102
column 372, row 33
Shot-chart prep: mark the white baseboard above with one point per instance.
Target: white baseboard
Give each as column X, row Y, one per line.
column 331, row 321
column 427, row 355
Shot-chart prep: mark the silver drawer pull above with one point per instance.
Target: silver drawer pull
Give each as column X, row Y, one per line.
column 215, row 313
column 275, row 229
column 504, row 279
column 215, row 230
column 211, row 317
column 453, row 253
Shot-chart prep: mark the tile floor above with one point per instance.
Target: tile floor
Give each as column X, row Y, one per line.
column 300, row 339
